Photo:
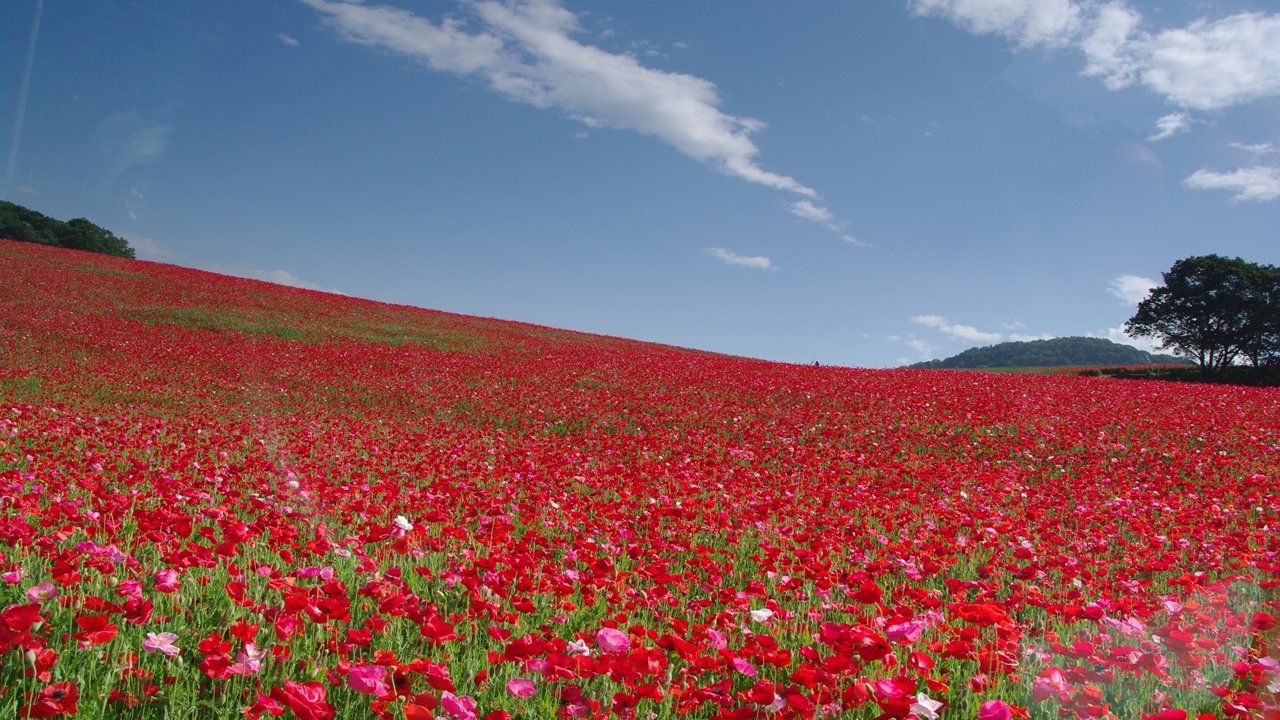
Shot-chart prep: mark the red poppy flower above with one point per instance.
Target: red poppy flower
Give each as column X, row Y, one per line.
column 95, row 629
column 306, row 700
column 52, row 701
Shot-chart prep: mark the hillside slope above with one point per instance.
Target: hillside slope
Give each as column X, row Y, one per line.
column 222, row 498
column 1058, row 352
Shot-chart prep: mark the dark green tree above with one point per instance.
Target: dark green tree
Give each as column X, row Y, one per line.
column 1261, row 343
column 20, row 223
column 84, row 235
column 1213, row 309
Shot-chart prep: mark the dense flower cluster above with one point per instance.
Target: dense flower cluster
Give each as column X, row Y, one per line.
column 233, row 499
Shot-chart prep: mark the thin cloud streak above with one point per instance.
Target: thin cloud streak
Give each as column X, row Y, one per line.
column 956, row 331
column 1170, row 125
column 806, row 210
column 526, row 53
column 1254, row 149
column 729, row 257
column 1254, row 184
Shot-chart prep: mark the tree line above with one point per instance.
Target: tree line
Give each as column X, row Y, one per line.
column 20, row 223
column 1220, row 312
column 1055, row 352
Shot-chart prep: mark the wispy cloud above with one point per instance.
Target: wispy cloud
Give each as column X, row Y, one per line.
column 1254, row 149
column 730, row 257
column 1118, row 335
column 924, row 349
column 527, row 52
column 1254, row 184
column 956, row 331
column 1132, row 289
column 279, row 277
column 807, row 210
column 287, row 39
column 1170, row 125
column 1028, row 22
column 1206, row 65
column 148, row 249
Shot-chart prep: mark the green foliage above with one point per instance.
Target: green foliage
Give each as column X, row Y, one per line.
column 1215, row 310
column 1058, row 352
column 20, row 223
column 1255, row 376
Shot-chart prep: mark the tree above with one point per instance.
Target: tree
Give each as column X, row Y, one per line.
column 1261, row 343
column 81, row 234
column 1215, row 310
column 19, row 223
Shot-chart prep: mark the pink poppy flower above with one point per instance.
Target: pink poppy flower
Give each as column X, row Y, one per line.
column 458, row 707
column 167, row 581
column 719, row 640
column 368, row 679
column 995, row 710
column 248, row 661
column 611, row 640
column 162, row 642
column 43, row 591
column 905, row 633
column 521, row 687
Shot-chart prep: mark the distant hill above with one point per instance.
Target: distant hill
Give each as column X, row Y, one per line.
column 1058, row 352
column 26, row 225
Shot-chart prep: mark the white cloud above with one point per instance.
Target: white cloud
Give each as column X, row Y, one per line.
column 1117, row 335
column 1255, row 149
column 279, row 277
column 287, row 39
column 1255, row 184
column 1106, row 46
column 148, row 249
column 806, row 210
column 1029, row 22
column 956, row 331
column 925, row 349
column 729, row 257
column 1132, row 289
column 527, row 53
column 1170, row 125
column 1207, row 65
column 1017, row 337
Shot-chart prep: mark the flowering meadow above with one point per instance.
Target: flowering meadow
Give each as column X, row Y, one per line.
column 221, row 498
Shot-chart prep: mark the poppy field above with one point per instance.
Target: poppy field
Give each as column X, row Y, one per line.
column 221, row 498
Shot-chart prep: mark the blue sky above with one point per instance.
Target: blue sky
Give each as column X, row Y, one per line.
column 858, row 183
